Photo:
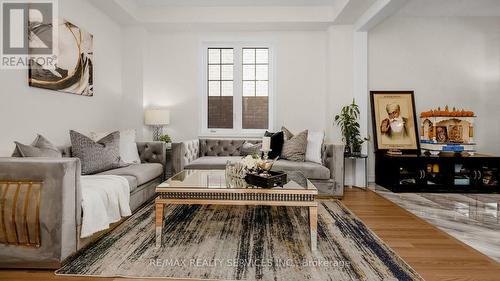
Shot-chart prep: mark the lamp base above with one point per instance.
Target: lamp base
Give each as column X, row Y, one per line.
column 157, row 132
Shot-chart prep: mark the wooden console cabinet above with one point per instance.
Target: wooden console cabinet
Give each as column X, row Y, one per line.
column 427, row 173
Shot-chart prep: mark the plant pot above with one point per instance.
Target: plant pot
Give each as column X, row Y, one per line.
column 356, row 153
column 347, row 150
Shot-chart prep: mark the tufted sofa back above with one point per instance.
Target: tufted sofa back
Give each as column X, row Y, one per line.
column 222, row 147
column 149, row 152
column 190, row 150
column 186, row 152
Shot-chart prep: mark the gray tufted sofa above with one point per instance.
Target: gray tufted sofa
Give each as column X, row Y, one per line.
column 60, row 202
column 206, row 154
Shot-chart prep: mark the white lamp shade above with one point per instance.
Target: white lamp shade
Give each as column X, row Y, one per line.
column 157, row 117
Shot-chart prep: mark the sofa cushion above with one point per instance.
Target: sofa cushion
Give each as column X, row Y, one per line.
column 310, row 170
column 212, row 162
column 132, row 182
column 142, row 172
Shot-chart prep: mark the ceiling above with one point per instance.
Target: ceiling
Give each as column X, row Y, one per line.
column 283, row 14
column 353, row 10
column 232, row 3
column 451, row 8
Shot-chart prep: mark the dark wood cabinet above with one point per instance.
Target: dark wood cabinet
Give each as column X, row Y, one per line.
column 428, row 173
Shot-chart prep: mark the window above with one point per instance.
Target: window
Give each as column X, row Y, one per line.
column 237, row 99
column 255, row 88
column 220, row 88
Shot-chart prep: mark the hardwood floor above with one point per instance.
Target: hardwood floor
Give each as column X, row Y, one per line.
column 431, row 252
column 434, row 254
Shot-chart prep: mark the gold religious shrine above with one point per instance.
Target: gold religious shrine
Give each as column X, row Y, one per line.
column 447, row 131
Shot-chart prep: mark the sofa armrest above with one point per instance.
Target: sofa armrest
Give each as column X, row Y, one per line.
column 184, row 153
column 334, row 160
column 60, row 209
column 153, row 152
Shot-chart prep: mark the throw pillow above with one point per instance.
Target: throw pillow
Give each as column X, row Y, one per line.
column 277, row 140
column 295, row 146
column 41, row 147
column 128, row 146
column 250, row 148
column 314, row 146
column 96, row 156
column 286, row 133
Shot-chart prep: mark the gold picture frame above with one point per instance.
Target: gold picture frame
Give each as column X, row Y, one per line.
column 394, row 121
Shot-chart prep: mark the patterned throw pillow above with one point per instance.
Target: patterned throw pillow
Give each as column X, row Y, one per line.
column 295, row 146
column 41, row 147
column 96, row 156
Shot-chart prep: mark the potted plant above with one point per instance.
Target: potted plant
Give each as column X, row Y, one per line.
column 166, row 139
column 347, row 120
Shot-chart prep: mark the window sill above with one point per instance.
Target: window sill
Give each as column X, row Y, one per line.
column 240, row 135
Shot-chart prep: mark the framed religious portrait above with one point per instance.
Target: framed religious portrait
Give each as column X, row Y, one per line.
column 456, row 133
column 394, row 121
column 441, row 134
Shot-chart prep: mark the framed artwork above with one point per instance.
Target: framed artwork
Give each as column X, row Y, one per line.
column 74, row 69
column 441, row 134
column 394, row 121
column 456, row 133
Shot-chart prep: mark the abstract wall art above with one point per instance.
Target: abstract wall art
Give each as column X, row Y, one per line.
column 73, row 71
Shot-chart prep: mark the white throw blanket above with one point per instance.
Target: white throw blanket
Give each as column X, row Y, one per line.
column 105, row 200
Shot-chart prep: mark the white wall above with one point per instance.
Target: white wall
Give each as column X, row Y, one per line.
column 172, row 76
column 26, row 111
column 340, row 75
column 133, row 54
column 445, row 60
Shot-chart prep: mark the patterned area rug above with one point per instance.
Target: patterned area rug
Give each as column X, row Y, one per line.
column 242, row 243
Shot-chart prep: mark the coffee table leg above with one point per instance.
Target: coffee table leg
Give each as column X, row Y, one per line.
column 313, row 226
column 159, row 223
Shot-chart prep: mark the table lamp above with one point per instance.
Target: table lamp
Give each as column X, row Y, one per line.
column 157, row 118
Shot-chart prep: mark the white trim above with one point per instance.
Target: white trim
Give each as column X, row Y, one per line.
column 237, row 131
column 377, row 13
column 360, row 94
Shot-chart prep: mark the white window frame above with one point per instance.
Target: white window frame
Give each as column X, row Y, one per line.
column 237, row 130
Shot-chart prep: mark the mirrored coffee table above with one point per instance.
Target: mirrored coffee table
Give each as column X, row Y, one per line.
column 213, row 187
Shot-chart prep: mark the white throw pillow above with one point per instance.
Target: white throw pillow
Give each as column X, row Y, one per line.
column 314, row 145
column 128, row 146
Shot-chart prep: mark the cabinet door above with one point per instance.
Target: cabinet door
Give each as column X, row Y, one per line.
column 464, row 174
column 435, row 174
column 487, row 175
column 409, row 173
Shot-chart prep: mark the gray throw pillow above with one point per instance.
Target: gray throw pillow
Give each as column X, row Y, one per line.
column 96, row 156
column 40, row 147
column 295, row 146
column 250, row 148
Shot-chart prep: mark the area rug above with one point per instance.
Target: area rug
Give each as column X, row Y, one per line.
column 242, row 243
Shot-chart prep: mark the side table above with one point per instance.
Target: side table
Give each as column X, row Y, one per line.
column 353, row 159
column 169, row 170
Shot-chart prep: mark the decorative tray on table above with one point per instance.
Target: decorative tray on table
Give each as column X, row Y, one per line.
column 269, row 180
